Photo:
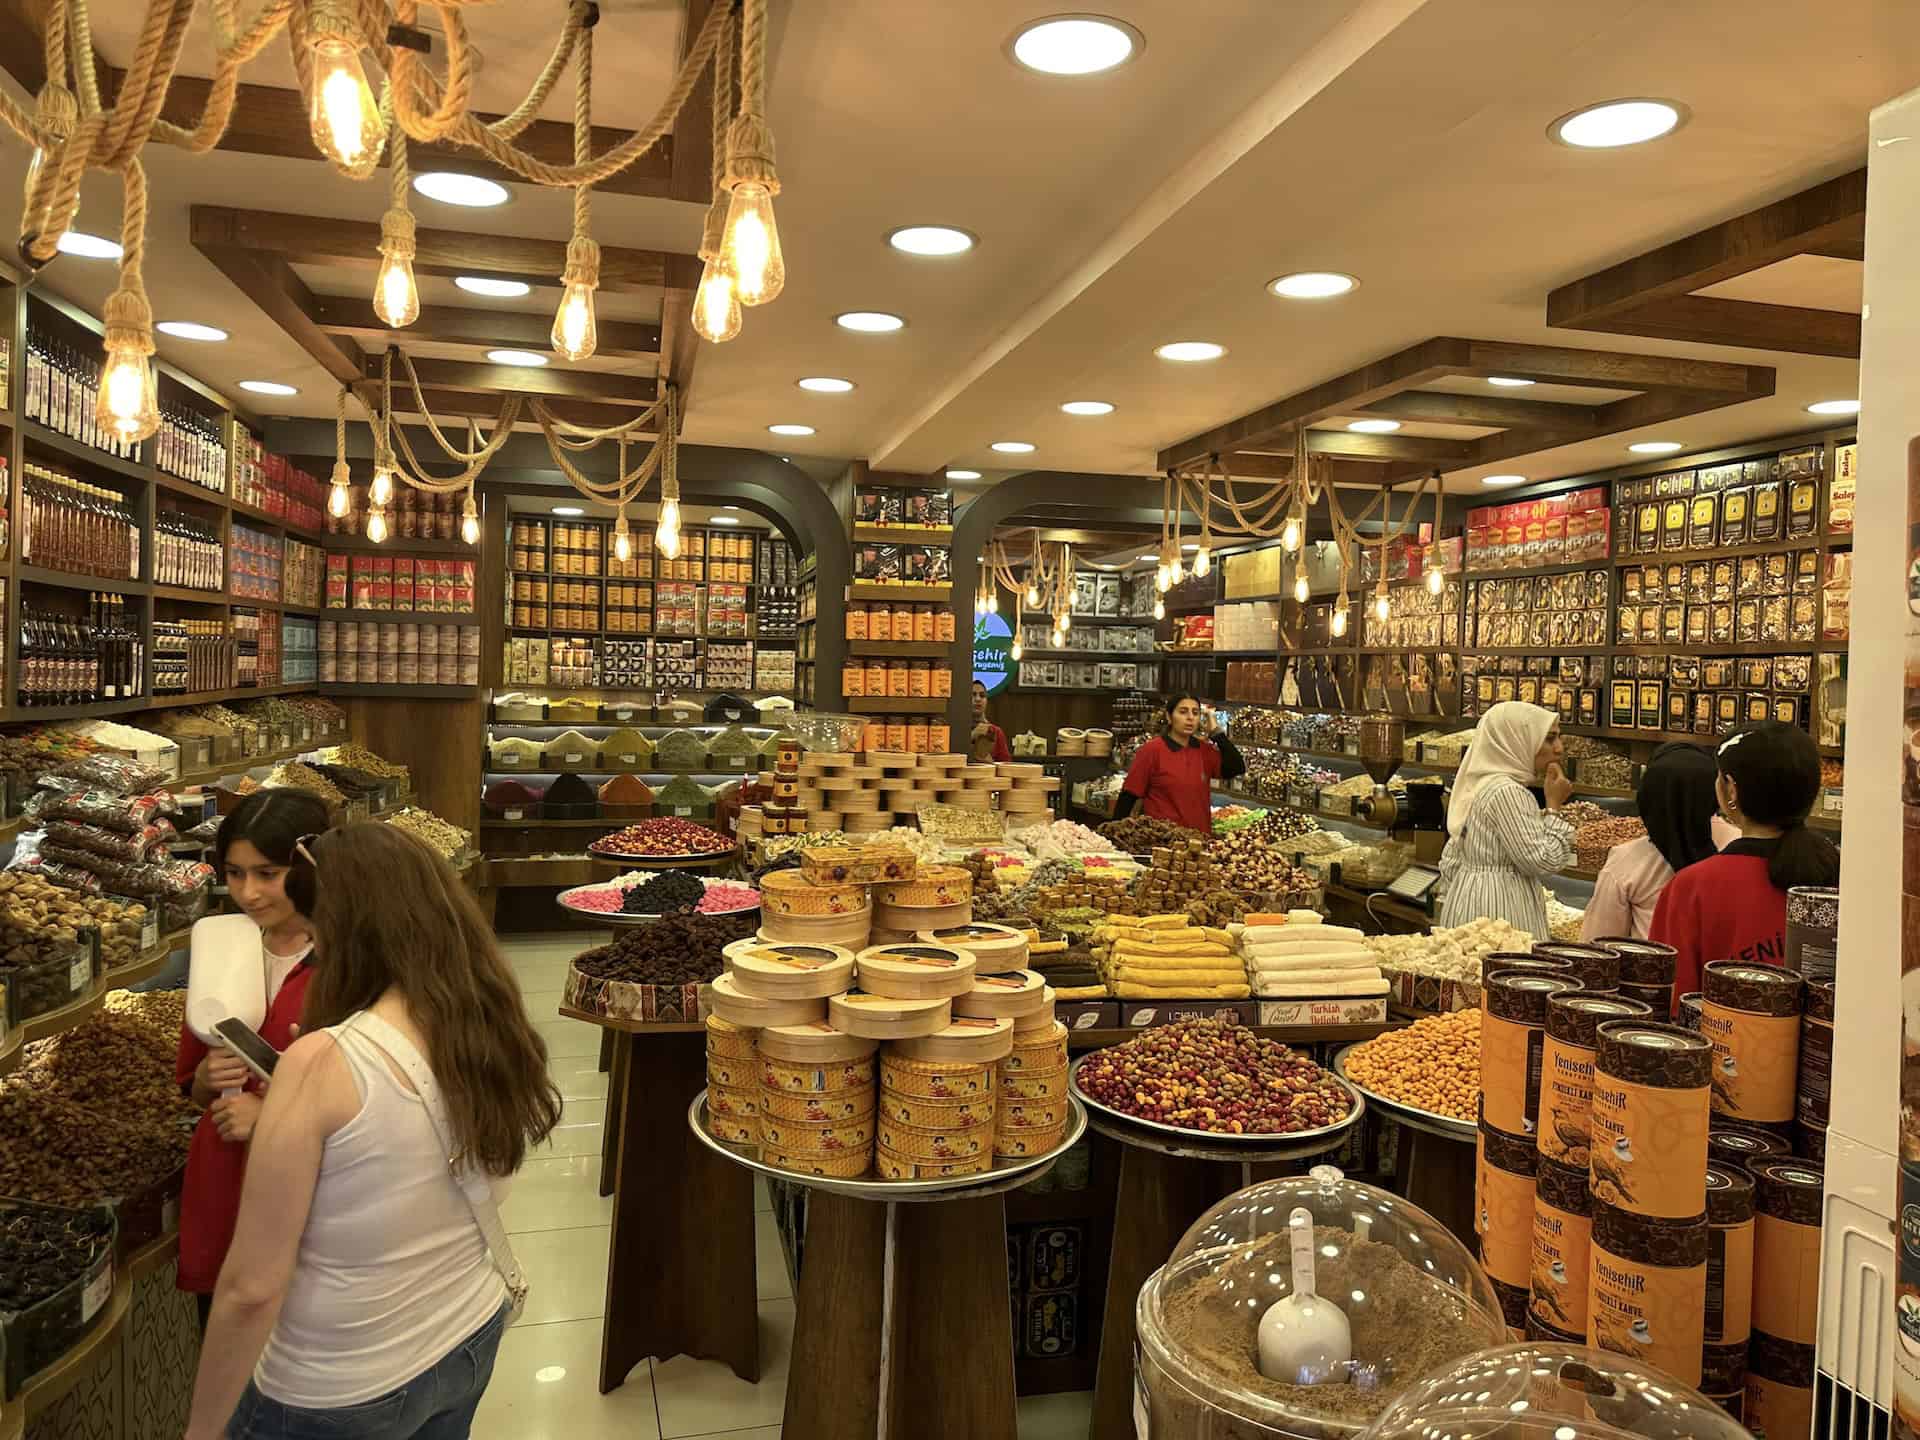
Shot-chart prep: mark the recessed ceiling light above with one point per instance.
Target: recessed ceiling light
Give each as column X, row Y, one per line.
column 1655, row 447
column 825, row 385
column 1191, row 545
column 1076, row 44
column 1507, row 382
column 726, row 519
column 517, row 357
column 1617, row 123
column 1500, row 482
column 451, row 188
column 932, row 240
column 729, row 507
column 1834, row 407
column 268, row 387
column 568, row 510
column 496, row 289
column 1013, row 447
column 789, row 429
column 1373, row 427
column 1312, row 285
column 869, row 322
column 190, row 330
column 963, row 474
column 89, row 247
column 1189, row 351
column 1087, row 407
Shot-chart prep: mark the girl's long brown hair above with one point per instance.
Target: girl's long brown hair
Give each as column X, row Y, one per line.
column 389, row 915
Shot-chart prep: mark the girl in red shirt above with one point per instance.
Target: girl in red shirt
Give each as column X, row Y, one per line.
column 254, row 852
column 1172, row 776
column 1733, row 906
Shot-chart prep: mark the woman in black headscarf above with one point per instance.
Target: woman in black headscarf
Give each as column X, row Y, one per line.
column 1676, row 801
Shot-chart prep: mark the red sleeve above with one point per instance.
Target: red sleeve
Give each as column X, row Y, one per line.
column 192, row 1051
column 1000, row 749
column 1140, row 773
column 1674, row 924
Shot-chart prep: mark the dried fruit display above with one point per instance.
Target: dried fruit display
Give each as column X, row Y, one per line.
column 673, row 950
column 1138, row 834
column 1215, row 1077
column 43, row 1251
column 440, row 836
column 664, row 836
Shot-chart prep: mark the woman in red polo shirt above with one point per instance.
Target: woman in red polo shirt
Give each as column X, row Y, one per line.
column 1172, row 776
column 1733, row 906
column 252, row 853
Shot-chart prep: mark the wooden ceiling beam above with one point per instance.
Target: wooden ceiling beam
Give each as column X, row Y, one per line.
column 1249, row 465
column 272, row 121
column 1605, row 369
column 271, row 284
column 544, row 381
column 353, row 316
column 1655, row 294
column 1439, row 407
column 355, row 244
column 1427, row 449
column 679, row 345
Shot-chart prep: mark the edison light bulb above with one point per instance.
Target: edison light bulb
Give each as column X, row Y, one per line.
column 993, row 602
column 716, row 305
column 127, row 407
column 344, row 119
column 575, row 336
column 380, row 493
column 1202, row 561
column 1033, row 596
column 1065, row 623
column 1018, row 650
column 1435, row 582
column 1340, row 618
column 1160, row 580
column 470, row 521
column 1381, row 609
column 1175, row 572
column 666, row 531
column 339, row 499
column 1056, row 639
column 1290, row 535
column 622, row 546
column 752, row 244
column 1300, row 591
column 376, row 526
column 396, row 299
column 1159, row 609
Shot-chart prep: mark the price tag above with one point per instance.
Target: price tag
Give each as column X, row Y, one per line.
column 736, row 762
column 515, row 814
column 150, row 930
column 629, row 759
column 99, row 1290
column 306, row 734
column 623, row 713
column 510, row 762
column 573, row 759
column 80, row 974
column 1831, row 802
column 683, row 810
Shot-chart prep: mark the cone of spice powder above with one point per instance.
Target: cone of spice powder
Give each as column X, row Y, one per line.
column 1513, row 1028
column 1786, row 1296
column 1729, row 1313
column 1751, row 1016
column 1566, row 1070
column 1648, row 1153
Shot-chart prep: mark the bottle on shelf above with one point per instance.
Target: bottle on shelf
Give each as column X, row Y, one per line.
column 69, row 525
column 62, row 389
column 187, row 552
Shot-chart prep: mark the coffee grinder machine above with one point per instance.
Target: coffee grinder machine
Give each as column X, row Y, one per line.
column 1417, row 815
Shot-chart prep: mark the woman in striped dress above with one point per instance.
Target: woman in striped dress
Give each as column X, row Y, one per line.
column 1501, row 844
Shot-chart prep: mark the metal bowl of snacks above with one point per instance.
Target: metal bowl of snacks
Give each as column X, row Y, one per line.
column 824, row 730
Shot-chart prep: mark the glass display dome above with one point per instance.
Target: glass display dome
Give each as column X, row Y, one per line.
column 1553, row 1392
column 1414, row 1299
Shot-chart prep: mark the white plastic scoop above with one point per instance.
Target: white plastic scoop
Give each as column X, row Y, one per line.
column 226, row 975
column 1305, row 1338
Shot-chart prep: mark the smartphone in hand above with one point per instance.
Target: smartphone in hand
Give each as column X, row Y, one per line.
column 246, row 1042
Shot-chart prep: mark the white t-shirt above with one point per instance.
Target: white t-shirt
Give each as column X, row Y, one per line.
column 279, row 967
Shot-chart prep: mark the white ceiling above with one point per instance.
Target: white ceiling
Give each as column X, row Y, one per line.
column 1401, row 140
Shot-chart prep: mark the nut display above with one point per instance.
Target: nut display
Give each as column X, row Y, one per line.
column 1432, row 1065
column 442, row 837
column 1216, row 1077
column 663, row 837
column 31, row 906
column 673, row 950
column 1138, row 834
column 43, row 1251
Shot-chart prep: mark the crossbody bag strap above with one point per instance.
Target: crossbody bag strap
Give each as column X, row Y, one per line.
column 486, row 1214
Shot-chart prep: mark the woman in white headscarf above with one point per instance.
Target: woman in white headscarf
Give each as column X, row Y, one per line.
column 1501, row 843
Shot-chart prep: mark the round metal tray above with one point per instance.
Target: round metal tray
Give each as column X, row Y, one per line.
column 1005, row 1174
column 641, row 862
column 1431, row 1121
column 618, row 918
column 1215, row 1137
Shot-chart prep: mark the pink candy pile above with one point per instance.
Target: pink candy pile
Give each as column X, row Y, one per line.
column 723, row 896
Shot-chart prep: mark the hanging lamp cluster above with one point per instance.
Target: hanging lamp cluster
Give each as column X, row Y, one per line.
column 1041, row 581
column 1280, row 510
column 71, row 132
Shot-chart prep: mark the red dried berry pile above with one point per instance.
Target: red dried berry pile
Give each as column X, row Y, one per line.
column 663, row 836
column 1217, row 1077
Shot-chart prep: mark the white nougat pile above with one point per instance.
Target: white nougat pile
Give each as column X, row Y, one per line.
column 1299, row 955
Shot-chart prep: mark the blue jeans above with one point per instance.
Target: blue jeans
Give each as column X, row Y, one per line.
column 437, row 1404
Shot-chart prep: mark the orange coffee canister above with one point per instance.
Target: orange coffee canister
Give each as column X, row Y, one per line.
column 1648, row 1149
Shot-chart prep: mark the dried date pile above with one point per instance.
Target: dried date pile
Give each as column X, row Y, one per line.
column 1139, row 834
column 60, row 1152
column 673, row 950
column 1215, row 1076
column 42, row 1253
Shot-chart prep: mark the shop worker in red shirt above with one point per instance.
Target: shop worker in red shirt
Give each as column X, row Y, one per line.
column 989, row 740
column 1733, row 906
column 1172, row 776
column 253, row 855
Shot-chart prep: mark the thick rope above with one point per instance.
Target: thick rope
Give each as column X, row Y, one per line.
column 714, row 233
column 749, row 138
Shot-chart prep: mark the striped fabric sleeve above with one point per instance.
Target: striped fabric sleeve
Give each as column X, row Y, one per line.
column 1533, row 842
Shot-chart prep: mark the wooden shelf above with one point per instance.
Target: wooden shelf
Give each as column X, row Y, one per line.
column 941, row 535
column 66, row 580
column 187, row 489
column 394, row 545
column 1567, row 567
column 897, row 705
column 401, row 692
column 907, row 594
column 189, row 596
column 902, row 649
column 50, row 1383
column 1719, row 552
column 555, row 824
column 260, row 517
column 466, row 618
column 42, row 438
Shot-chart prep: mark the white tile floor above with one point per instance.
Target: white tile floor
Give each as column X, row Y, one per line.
column 545, row 1379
